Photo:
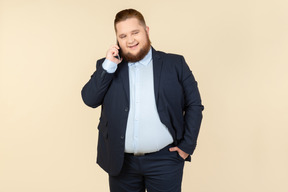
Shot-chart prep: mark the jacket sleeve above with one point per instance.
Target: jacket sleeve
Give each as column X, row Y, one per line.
column 192, row 110
column 95, row 89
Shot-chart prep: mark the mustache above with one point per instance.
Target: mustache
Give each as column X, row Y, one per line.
column 129, row 57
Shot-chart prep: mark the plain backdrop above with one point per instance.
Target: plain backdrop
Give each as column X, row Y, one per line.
column 237, row 50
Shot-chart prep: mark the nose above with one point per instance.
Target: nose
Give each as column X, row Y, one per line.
column 130, row 39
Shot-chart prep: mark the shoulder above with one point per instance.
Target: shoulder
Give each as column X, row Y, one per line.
column 170, row 59
column 165, row 55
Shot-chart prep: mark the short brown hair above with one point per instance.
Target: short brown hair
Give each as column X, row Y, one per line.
column 127, row 14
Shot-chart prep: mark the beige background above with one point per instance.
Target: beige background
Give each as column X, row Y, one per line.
column 237, row 51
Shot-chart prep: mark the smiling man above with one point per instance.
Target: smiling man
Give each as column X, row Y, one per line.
column 133, row 38
column 151, row 111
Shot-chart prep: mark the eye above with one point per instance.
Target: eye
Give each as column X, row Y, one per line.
column 122, row 36
column 135, row 32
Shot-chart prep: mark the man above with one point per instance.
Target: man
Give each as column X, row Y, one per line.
column 151, row 111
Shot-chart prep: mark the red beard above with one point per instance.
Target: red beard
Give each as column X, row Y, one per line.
column 139, row 56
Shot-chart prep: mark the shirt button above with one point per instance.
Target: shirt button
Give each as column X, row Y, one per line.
column 126, row 109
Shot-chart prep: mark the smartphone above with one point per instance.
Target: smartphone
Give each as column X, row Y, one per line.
column 119, row 52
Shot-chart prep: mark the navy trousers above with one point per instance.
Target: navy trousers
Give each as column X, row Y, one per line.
column 161, row 171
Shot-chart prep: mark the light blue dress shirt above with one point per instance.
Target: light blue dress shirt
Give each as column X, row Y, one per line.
column 145, row 132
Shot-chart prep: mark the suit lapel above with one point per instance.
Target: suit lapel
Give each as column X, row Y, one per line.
column 157, row 68
column 124, row 75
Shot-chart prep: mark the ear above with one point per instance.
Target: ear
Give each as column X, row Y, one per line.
column 147, row 30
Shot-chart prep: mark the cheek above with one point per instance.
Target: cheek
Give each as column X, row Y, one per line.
column 122, row 45
column 143, row 40
column 124, row 49
column 121, row 42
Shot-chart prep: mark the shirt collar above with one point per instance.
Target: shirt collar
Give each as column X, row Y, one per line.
column 145, row 61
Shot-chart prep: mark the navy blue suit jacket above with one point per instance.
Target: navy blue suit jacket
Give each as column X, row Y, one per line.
column 177, row 98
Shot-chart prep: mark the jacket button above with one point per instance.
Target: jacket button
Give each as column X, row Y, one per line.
column 126, row 109
column 122, row 137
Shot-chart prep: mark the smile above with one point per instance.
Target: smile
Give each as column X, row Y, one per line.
column 133, row 46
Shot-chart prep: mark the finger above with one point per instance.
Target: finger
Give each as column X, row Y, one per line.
column 114, row 51
column 173, row 149
column 115, row 47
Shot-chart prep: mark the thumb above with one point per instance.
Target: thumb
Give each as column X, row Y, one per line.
column 173, row 149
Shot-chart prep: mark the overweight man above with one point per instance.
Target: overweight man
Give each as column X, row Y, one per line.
column 151, row 111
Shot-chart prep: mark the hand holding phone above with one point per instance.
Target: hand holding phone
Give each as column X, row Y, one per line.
column 113, row 54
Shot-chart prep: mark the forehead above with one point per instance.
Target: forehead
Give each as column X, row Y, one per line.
column 128, row 25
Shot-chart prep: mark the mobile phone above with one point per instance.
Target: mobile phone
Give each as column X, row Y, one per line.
column 119, row 52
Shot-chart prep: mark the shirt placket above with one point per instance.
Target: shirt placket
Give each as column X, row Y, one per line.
column 137, row 107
